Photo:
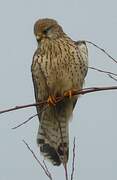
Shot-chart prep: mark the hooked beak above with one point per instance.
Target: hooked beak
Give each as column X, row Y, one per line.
column 38, row 38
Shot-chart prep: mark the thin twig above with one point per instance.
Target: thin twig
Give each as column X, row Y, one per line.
column 66, row 172
column 103, row 50
column 46, row 172
column 58, row 99
column 30, row 118
column 47, row 169
column 115, row 79
column 73, row 161
column 102, row 71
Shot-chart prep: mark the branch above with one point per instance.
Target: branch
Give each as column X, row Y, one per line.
column 58, row 99
column 66, row 172
column 30, row 118
column 103, row 50
column 73, row 161
column 47, row 169
column 103, row 71
column 115, row 79
column 20, row 107
column 42, row 166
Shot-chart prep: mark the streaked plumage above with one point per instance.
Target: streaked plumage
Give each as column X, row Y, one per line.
column 59, row 64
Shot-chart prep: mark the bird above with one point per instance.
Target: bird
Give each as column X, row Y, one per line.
column 59, row 67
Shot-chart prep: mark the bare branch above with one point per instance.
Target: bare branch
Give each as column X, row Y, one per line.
column 66, row 172
column 58, row 99
column 30, row 118
column 73, row 161
column 103, row 50
column 115, row 79
column 20, row 107
column 45, row 170
column 102, row 71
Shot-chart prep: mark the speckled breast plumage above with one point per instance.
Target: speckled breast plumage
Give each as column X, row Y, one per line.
column 62, row 65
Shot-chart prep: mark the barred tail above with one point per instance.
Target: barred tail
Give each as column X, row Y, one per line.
column 53, row 137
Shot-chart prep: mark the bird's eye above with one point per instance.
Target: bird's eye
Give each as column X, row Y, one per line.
column 45, row 31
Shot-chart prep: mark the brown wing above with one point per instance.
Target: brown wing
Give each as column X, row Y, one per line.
column 83, row 51
column 39, row 82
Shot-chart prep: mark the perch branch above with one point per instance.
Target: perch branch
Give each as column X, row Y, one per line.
column 58, row 99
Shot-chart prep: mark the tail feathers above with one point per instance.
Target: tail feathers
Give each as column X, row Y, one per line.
column 54, row 142
column 50, row 153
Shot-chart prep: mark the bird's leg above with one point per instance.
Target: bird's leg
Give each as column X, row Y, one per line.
column 70, row 93
column 51, row 100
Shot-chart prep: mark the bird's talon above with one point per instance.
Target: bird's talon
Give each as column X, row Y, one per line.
column 70, row 93
column 51, row 100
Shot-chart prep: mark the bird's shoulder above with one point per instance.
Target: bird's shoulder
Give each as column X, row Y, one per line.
column 83, row 50
column 35, row 59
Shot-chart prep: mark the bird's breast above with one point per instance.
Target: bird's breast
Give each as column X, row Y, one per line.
column 61, row 67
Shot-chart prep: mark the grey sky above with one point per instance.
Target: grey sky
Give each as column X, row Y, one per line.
column 94, row 121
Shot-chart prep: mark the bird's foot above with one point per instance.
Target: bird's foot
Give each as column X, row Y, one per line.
column 51, row 100
column 70, row 93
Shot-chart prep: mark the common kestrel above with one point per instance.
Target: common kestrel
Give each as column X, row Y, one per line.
column 59, row 66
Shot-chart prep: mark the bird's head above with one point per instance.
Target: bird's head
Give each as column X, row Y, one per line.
column 47, row 29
